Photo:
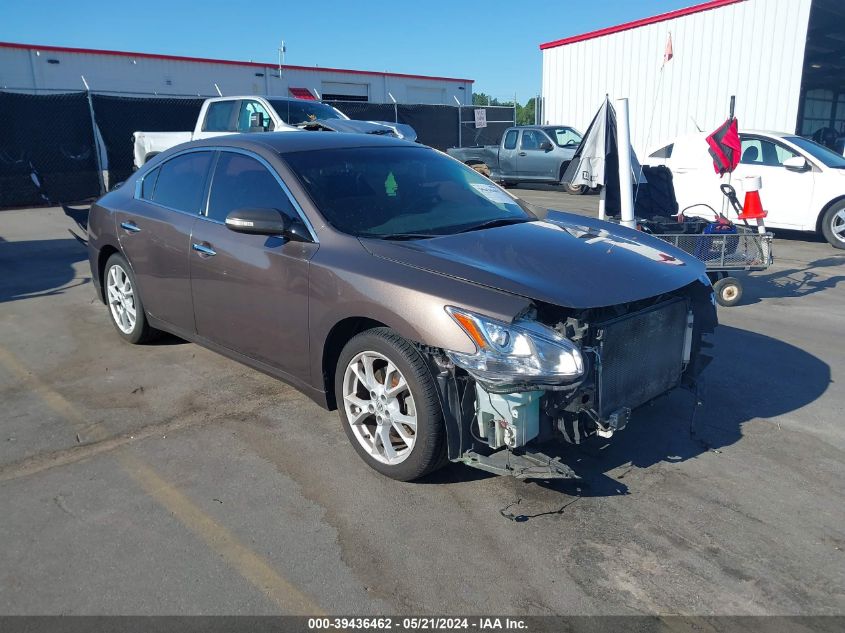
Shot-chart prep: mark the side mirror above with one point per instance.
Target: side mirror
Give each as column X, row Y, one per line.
column 256, row 122
column 546, row 146
column 259, row 222
column 796, row 163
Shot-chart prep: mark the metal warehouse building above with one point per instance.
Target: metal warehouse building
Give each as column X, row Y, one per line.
column 32, row 68
column 783, row 59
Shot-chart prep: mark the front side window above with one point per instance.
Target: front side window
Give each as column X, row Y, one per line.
column 218, row 117
column 181, row 182
column 564, row 136
column 531, row 139
column 400, row 192
column 242, row 182
column 762, row 152
column 510, row 139
column 247, row 109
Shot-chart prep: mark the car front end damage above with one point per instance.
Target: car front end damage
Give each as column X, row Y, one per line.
column 565, row 374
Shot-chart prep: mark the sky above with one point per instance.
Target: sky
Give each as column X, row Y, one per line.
column 493, row 42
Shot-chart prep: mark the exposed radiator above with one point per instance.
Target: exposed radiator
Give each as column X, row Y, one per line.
column 642, row 355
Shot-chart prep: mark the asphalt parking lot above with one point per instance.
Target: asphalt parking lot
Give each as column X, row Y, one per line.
column 168, row 480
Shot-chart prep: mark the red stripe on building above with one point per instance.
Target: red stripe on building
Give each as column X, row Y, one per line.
column 231, row 62
column 679, row 13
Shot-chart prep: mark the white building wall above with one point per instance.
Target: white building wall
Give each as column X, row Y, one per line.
column 752, row 49
column 30, row 69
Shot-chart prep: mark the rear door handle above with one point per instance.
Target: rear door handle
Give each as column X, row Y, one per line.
column 130, row 227
column 523, row 154
column 204, row 250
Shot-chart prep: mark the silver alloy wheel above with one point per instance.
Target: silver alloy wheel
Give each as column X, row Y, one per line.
column 379, row 407
column 837, row 226
column 121, row 298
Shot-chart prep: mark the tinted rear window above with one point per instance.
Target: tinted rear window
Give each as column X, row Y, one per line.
column 181, row 181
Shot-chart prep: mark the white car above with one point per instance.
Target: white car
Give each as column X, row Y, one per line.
column 803, row 182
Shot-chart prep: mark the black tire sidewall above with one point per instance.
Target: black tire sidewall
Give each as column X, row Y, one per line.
column 429, row 447
column 141, row 331
column 827, row 229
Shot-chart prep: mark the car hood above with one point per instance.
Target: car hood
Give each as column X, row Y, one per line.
column 565, row 260
column 351, row 126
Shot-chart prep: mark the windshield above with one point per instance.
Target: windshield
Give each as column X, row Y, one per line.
column 400, row 192
column 564, row 136
column 296, row 112
column 819, row 152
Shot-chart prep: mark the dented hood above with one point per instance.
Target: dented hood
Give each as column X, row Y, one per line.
column 566, row 260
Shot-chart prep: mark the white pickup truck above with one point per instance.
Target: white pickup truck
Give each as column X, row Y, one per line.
column 233, row 115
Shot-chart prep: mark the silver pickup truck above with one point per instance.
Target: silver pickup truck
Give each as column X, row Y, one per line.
column 525, row 154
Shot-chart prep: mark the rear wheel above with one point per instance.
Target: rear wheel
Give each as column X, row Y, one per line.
column 833, row 225
column 125, row 307
column 388, row 405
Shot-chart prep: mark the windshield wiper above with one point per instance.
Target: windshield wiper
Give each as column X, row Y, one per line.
column 398, row 236
column 489, row 224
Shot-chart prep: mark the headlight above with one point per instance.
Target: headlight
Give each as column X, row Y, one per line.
column 521, row 352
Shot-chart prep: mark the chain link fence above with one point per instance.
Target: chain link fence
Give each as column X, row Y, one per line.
column 67, row 147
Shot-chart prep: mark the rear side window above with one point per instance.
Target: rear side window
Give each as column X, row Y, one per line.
column 148, row 185
column 218, row 117
column 663, row 152
column 181, row 182
column 241, row 182
column 510, row 139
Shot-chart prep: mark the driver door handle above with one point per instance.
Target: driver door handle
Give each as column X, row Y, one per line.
column 523, row 154
column 203, row 250
column 130, row 227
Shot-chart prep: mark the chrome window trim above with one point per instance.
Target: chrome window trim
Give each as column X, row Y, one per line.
column 237, row 150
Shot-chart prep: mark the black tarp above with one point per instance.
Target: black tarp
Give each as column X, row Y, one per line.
column 119, row 117
column 436, row 125
column 46, row 139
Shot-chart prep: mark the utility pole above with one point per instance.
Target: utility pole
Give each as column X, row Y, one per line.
column 282, row 50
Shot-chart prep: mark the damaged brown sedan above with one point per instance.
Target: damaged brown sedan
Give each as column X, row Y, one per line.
column 445, row 319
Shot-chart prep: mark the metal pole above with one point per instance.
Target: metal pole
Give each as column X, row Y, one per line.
column 626, row 185
column 602, row 202
column 102, row 175
column 460, row 123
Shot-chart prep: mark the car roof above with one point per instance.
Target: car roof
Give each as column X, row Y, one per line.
column 293, row 141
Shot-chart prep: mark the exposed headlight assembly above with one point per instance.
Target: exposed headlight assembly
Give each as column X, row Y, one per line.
column 523, row 352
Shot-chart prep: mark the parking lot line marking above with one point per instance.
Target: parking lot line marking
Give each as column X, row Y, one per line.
column 253, row 568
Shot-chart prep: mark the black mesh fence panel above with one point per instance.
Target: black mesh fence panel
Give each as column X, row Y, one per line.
column 47, row 151
column 499, row 119
column 363, row 111
column 47, row 148
column 436, row 125
column 119, row 117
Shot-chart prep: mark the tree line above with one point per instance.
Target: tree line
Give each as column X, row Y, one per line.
column 524, row 113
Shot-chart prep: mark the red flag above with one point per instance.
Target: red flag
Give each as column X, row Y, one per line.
column 725, row 147
column 669, row 53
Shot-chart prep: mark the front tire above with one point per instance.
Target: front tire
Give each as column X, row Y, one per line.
column 125, row 306
column 833, row 225
column 389, row 406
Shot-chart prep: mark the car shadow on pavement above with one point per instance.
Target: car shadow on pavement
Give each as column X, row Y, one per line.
column 776, row 378
column 38, row 268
